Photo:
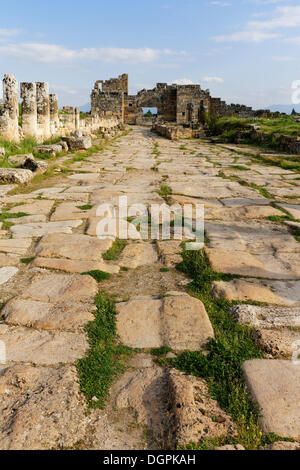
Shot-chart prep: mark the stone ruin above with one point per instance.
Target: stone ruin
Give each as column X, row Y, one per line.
column 40, row 116
column 181, row 108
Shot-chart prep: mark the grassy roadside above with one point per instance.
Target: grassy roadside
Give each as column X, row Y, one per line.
column 105, row 357
column 221, row 368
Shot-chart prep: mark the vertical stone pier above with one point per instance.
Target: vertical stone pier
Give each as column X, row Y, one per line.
column 9, row 114
column 29, row 109
column 77, row 118
column 54, row 118
column 43, row 110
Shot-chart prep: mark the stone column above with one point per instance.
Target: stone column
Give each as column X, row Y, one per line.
column 9, row 116
column 43, row 109
column 77, row 118
column 54, row 118
column 29, row 110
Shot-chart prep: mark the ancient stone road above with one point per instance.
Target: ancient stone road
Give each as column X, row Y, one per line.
column 48, row 301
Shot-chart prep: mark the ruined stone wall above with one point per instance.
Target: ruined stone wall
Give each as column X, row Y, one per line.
column 112, row 85
column 132, row 113
column 192, row 104
column 163, row 97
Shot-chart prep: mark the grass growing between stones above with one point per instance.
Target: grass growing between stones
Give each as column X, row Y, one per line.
column 232, row 346
column 5, row 216
column 165, row 190
column 27, row 260
column 98, row 275
column 114, row 252
column 105, row 357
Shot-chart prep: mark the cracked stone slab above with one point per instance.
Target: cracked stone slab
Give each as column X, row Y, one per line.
column 71, row 211
column 275, row 386
column 7, row 273
column 74, row 265
column 53, row 287
column 74, row 247
column 8, row 260
column 169, row 252
column 47, row 315
column 270, row 265
column 277, row 343
column 138, row 254
column 18, row 247
column 30, row 219
column 178, row 321
column 42, row 347
column 266, row 317
column 41, row 229
column 293, row 209
column 40, row 408
column 284, row 293
column 38, row 207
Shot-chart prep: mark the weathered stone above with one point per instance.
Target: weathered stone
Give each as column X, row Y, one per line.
column 277, row 343
column 2, row 152
column 15, row 175
column 138, row 254
column 267, row 317
column 19, row 247
column 292, row 209
column 51, row 150
column 229, row 447
column 42, row 347
column 71, row 211
column 283, row 445
column 40, row 229
column 275, row 386
column 74, row 247
column 30, row 219
column 54, row 287
column 272, row 292
column 74, row 265
column 169, row 252
column 28, row 162
column 7, row 273
column 41, row 408
column 47, row 316
column 40, row 207
column 178, row 321
column 196, row 416
column 8, row 260
column 79, row 143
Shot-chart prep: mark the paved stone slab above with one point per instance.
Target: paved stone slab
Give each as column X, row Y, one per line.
column 8, row 260
column 277, row 343
column 275, row 386
column 138, row 254
column 267, row 317
column 42, row 347
column 41, row 229
column 19, row 247
column 7, row 273
column 47, row 315
column 52, row 287
column 75, row 266
column 38, row 207
column 293, row 209
column 242, row 263
column 178, row 321
column 74, row 246
column 40, row 408
column 30, row 219
column 285, row 293
column 71, row 211
column 169, row 252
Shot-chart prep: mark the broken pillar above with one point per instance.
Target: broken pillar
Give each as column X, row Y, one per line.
column 9, row 114
column 29, row 109
column 54, row 118
column 77, row 118
column 43, row 110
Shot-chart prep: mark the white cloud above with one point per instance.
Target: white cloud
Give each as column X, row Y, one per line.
column 295, row 40
column 7, row 33
column 221, row 4
column 258, row 31
column 246, row 36
column 183, row 81
column 212, row 80
column 50, row 53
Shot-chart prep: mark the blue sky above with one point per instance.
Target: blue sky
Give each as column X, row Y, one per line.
column 245, row 51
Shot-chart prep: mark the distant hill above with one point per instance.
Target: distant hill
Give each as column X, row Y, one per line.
column 284, row 108
column 85, row 108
